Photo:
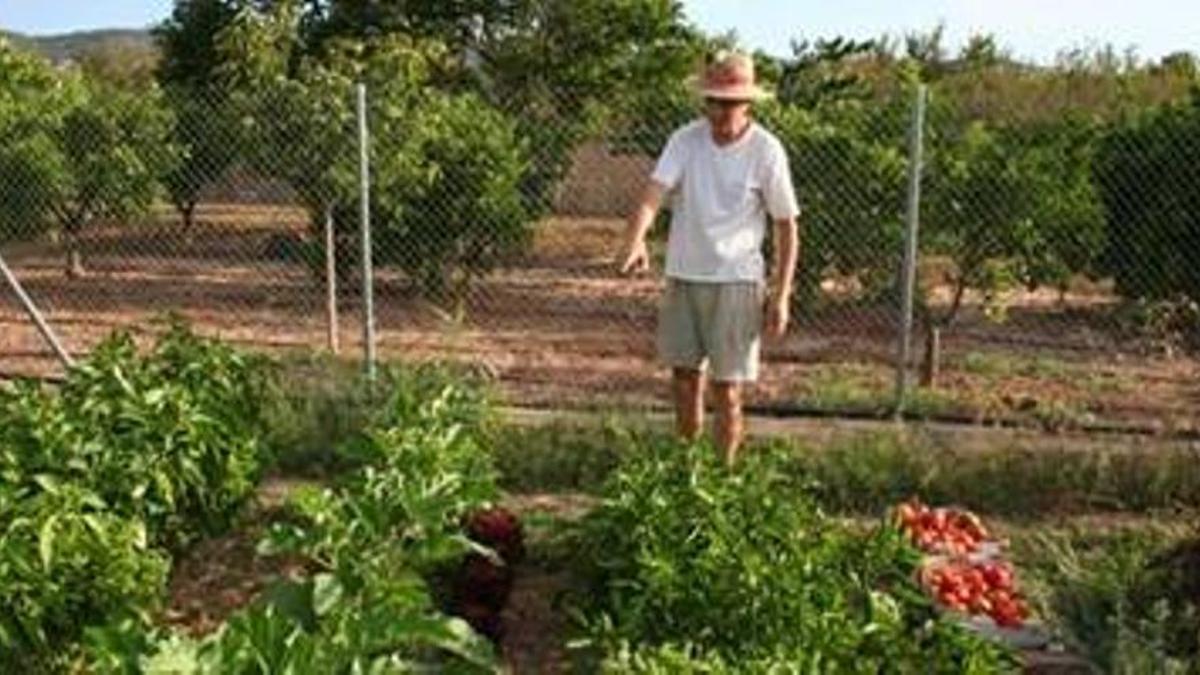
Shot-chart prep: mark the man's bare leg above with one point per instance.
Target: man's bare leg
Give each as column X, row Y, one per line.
column 688, row 384
column 729, row 428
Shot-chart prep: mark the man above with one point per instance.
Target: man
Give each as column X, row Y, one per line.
column 726, row 176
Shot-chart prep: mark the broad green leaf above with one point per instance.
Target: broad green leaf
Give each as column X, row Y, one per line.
column 46, row 541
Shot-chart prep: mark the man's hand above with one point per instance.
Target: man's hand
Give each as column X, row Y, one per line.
column 787, row 246
column 635, row 258
column 778, row 315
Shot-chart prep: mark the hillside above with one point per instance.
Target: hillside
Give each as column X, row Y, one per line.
column 70, row 45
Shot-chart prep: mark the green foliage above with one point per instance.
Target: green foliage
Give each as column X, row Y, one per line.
column 818, row 74
column 847, row 231
column 744, row 567
column 32, row 106
column 1125, row 599
column 131, row 457
column 122, row 63
column 318, row 402
column 198, row 404
column 112, row 146
column 206, row 134
column 1010, row 206
column 1145, row 168
column 446, row 168
column 561, row 69
column 67, row 561
column 372, row 545
column 170, row 439
column 466, row 215
column 188, row 41
column 559, row 457
column 74, row 150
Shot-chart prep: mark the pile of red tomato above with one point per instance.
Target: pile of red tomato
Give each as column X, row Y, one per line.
column 978, row 588
column 962, row 570
column 941, row 531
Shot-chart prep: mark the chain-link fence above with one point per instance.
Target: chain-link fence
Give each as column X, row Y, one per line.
column 494, row 227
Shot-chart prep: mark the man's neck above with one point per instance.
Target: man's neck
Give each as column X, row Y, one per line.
column 722, row 140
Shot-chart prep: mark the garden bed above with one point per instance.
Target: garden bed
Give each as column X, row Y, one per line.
column 638, row 554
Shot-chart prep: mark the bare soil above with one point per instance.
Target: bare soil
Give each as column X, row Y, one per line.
column 560, row 330
column 221, row 575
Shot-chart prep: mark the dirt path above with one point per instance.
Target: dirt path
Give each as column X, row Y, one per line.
column 219, row 576
column 535, row 630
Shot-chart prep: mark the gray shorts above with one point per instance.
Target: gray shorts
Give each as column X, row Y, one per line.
column 718, row 324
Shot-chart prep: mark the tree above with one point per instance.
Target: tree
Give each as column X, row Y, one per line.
column 111, row 148
column 74, row 150
column 1148, row 170
column 927, row 50
column 848, row 166
column 982, row 52
column 204, row 126
column 446, row 167
column 562, row 69
column 188, row 41
column 1007, row 206
column 32, row 103
column 205, row 132
column 822, row 72
column 468, row 215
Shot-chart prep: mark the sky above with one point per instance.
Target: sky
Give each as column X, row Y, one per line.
column 1031, row 29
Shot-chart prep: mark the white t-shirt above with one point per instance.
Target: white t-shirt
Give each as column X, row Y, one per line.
column 720, row 199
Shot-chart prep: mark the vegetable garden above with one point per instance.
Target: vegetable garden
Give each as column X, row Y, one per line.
column 412, row 522
column 175, row 504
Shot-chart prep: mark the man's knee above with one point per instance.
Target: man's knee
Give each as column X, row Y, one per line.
column 727, row 396
column 688, row 381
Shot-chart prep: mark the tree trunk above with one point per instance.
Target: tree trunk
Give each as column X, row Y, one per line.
column 188, row 211
column 931, row 364
column 74, row 266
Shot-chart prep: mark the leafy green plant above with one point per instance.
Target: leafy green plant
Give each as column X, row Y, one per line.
column 314, row 626
column 560, row 457
column 173, row 438
column 745, row 567
column 374, row 545
column 33, row 102
column 1123, row 598
column 132, row 456
column 67, row 562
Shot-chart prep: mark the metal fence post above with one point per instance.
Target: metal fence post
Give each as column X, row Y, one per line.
column 38, row 320
column 908, row 274
column 331, row 308
column 365, row 222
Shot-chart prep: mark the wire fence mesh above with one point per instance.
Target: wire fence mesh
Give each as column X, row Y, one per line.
column 1049, row 287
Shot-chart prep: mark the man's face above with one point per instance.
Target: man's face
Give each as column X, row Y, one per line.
column 727, row 118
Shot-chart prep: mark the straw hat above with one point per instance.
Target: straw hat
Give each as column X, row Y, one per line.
column 730, row 77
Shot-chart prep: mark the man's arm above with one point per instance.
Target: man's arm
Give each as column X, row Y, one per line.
column 634, row 256
column 787, row 250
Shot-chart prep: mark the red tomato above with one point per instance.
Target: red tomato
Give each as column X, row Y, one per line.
column 940, row 519
column 981, row 605
column 954, row 604
column 975, row 579
column 1006, row 614
column 998, row 575
column 999, row 596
